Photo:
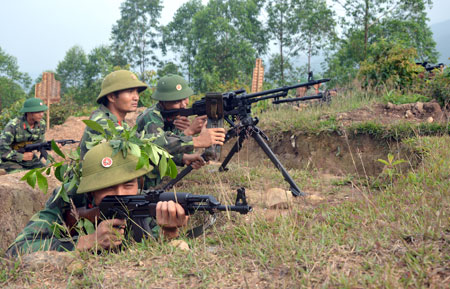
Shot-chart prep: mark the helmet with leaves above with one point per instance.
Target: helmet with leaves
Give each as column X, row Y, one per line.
column 120, row 80
column 102, row 168
column 171, row 88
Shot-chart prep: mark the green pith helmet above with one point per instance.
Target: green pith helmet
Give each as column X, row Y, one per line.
column 172, row 87
column 120, row 80
column 33, row 105
column 102, row 170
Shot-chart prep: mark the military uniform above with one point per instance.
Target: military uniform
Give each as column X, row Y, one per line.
column 165, row 133
column 101, row 116
column 113, row 82
column 41, row 232
column 19, row 133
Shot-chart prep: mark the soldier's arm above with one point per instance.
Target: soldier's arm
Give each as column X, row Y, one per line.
column 6, row 140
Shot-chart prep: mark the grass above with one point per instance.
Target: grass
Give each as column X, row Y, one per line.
column 397, row 237
column 387, row 231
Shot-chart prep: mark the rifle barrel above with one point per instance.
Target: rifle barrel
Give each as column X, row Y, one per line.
column 286, row 88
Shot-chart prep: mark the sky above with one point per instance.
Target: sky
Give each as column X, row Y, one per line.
column 40, row 32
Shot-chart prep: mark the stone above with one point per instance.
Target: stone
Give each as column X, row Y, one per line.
column 389, row 105
column 430, row 119
column 180, row 244
column 277, row 198
column 419, row 107
column 47, row 260
column 409, row 114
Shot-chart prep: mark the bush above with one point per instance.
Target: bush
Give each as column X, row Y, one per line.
column 397, row 97
column 390, row 65
column 10, row 113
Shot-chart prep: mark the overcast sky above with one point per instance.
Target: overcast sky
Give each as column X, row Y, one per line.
column 40, row 32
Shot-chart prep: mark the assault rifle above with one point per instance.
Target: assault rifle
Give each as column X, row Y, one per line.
column 43, row 147
column 237, row 105
column 136, row 208
column 428, row 67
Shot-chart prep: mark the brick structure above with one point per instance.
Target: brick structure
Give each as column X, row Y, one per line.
column 258, row 76
column 49, row 91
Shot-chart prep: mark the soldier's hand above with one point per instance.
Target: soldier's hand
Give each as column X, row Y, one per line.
column 182, row 123
column 195, row 160
column 170, row 216
column 27, row 156
column 209, row 136
column 109, row 234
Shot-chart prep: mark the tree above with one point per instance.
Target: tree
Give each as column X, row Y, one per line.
column 315, row 27
column 282, row 24
column 368, row 21
column 135, row 34
column 230, row 36
column 71, row 69
column 12, row 81
column 179, row 37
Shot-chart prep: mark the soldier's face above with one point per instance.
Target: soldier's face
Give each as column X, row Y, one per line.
column 124, row 189
column 177, row 104
column 35, row 116
column 126, row 100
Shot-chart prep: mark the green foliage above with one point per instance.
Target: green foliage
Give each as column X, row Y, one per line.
column 135, row 34
column 10, row 113
column 12, row 81
column 397, row 97
column 390, row 65
column 437, row 86
column 390, row 167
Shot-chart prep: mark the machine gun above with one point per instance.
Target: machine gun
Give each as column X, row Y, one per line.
column 137, row 208
column 42, row 147
column 236, row 110
column 428, row 67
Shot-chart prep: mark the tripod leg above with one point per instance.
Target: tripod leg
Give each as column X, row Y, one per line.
column 294, row 188
column 236, row 148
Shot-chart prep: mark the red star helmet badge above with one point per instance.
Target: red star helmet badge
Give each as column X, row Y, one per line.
column 178, row 87
column 107, row 162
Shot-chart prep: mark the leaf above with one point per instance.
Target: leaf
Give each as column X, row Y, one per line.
column 95, row 126
column 135, row 150
column 390, row 158
column 59, row 172
column 143, row 161
column 383, row 162
column 173, row 172
column 88, row 226
column 42, row 182
column 163, row 167
column 31, row 179
column 56, row 149
column 153, row 155
column 112, row 127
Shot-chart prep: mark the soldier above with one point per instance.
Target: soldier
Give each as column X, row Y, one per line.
column 20, row 131
column 119, row 96
column 103, row 175
column 177, row 135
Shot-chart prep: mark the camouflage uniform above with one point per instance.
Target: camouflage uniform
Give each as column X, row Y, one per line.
column 167, row 135
column 42, row 232
column 19, row 131
column 100, row 115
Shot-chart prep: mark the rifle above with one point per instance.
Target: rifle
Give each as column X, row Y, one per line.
column 428, row 67
column 43, row 147
column 136, row 208
column 237, row 105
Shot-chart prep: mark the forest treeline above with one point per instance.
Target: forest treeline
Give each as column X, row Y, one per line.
column 375, row 42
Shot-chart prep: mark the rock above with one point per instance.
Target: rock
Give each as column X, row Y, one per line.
column 278, row 198
column 76, row 268
column 48, row 260
column 389, row 105
column 314, row 198
column 2, row 172
column 409, row 114
column 419, row 107
column 432, row 107
column 180, row 244
column 293, row 141
column 430, row 119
